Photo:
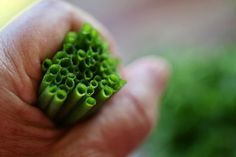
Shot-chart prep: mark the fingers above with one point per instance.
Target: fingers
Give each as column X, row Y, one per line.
column 126, row 119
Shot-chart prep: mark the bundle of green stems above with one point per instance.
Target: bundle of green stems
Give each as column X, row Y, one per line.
column 79, row 78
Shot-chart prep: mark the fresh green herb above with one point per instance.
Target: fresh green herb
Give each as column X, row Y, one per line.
column 79, row 78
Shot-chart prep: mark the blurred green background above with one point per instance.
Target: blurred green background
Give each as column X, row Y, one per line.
column 199, row 107
column 198, row 113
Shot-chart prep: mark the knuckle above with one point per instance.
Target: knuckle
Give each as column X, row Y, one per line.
column 142, row 111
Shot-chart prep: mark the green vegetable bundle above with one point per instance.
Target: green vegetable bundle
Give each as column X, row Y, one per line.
column 79, row 78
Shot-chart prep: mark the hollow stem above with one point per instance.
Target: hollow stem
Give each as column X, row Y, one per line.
column 56, row 103
column 81, row 55
column 71, row 38
column 71, row 75
column 90, row 90
column 86, row 28
column 93, row 83
column 101, row 97
column 47, row 80
column 54, row 69
column 58, row 79
column 46, row 96
column 113, row 79
column 102, row 83
column 63, row 87
column 88, row 75
column 65, row 62
column 69, row 84
column 60, row 55
column 69, row 48
column 46, row 64
column 119, row 85
column 98, row 78
column 75, row 60
column 74, row 98
column 80, row 110
column 64, row 71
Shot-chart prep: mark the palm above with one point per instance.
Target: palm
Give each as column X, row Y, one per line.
column 25, row 131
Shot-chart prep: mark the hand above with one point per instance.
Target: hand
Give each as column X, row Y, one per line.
column 25, row 131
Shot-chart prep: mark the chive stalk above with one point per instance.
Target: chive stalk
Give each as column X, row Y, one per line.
column 88, row 75
column 75, row 60
column 80, row 110
column 101, row 97
column 46, row 64
column 98, row 78
column 90, row 90
column 60, row 55
column 56, row 103
column 64, row 72
column 54, row 69
column 104, row 94
column 69, row 83
column 47, row 80
column 74, row 98
column 71, row 75
column 71, row 38
column 46, row 96
column 58, row 79
column 69, row 48
column 81, row 55
column 66, row 62
column 93, row 83
column 63, row 87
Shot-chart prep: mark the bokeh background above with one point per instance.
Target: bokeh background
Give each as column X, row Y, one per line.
column 197, row 38
column 198, row 113
column 142, row 27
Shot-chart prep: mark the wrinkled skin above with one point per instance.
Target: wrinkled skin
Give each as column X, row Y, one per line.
column 24, row 130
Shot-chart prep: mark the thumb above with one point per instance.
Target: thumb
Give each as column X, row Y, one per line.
column 125, row 120
column 147, row 78
column 135, row 109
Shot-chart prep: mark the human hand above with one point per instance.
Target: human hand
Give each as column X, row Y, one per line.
column 25, row 131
